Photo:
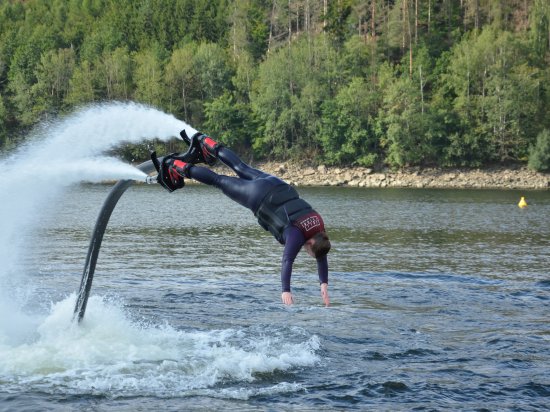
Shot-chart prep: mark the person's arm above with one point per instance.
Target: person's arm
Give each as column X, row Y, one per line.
column 322, row 270
column 294, row 239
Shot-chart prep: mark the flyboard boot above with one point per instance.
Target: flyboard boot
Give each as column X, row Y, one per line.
column 172, row 169
column 204, row 147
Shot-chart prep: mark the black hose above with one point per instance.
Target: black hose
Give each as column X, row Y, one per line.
column 97, row 237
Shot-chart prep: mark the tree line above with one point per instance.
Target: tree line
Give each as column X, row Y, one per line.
column 343, row 82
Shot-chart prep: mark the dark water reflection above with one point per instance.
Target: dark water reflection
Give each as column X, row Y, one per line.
column 440, row 297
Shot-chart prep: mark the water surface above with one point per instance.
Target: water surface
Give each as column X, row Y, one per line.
column 439, row 301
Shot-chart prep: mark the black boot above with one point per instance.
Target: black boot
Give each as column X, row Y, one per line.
column 202, row 147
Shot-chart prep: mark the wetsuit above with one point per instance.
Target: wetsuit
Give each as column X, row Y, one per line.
column 260, row 192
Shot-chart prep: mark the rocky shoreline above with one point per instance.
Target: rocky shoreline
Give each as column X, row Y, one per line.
column 487, row 178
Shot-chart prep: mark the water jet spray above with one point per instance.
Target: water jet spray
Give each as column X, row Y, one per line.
column 69, row 150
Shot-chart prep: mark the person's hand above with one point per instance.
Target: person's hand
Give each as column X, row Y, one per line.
column 287, row 298
column 324, row 294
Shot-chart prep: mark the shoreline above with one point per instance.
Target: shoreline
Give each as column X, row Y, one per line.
column 496, row 177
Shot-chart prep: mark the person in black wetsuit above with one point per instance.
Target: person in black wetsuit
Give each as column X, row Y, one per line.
column 276, row 204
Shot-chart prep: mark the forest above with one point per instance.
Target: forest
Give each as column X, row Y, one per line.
column 374, row 83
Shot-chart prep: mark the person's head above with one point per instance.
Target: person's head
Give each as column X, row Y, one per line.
column 318, row 245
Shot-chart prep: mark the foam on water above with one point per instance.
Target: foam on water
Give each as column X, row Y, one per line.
column 109, row 354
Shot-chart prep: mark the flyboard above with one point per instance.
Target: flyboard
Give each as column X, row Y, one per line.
column 104, row 215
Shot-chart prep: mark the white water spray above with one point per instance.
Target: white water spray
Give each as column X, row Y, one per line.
column 111, row 356
column 60, row 154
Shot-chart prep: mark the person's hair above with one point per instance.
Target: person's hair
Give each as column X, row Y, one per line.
column 321, row 244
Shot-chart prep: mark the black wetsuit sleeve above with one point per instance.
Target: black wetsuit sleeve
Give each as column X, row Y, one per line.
column 294, row 240
column 322, row 269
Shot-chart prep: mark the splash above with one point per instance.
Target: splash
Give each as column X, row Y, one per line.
column 110, row 355
column 60, row 154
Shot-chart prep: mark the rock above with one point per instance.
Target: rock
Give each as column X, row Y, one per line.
column 496, row 177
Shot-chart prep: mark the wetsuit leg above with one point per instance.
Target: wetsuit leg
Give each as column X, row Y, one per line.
column 241, row 191
column 248, row 193
column 244, row 171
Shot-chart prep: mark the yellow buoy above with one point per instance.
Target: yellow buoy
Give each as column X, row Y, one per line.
column 522, row 203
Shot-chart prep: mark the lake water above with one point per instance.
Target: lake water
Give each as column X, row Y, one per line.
column 440, row 300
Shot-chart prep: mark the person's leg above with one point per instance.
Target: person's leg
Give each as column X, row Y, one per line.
column 241, row 191
column 207, row 150
column 230, row 159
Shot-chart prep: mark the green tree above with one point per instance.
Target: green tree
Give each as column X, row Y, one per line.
column 540, row 29
column 257, row 29
column 459, row 98
column 117, row 74
column 181, row 81
column 411, row 131
column 3, row 123
column 495, row 96
column 288, row 94
column 246, row 72
column 539, row 153
column 511, row 106
column 213, row 70
column 52, row 79
column 21, row 77
column 148, row 78
column 335, row 19
column 76, row 17
column 208, row 21
column 358, row 57
column 21, row 98
column 229, row 120
column 271, row 102
column 347, row 133
column 103, row 38
column 81, row 85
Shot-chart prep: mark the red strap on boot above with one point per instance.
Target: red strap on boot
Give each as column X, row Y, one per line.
column 211, row 143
